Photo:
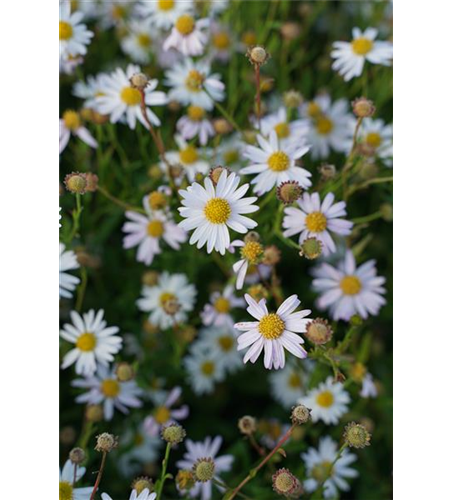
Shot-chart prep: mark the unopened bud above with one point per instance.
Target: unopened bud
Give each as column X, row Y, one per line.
column 257, row 55
column 356, row 435
column 300, row 414
column 247, row 425
column 173, row 433
column 290, row 30
column 292, row 99
column 91, row 182
column 142, row 483
column 215, row 174
column 286, row 484
column 125, row 372
column 318, row 331
column 76, row 182
column 363, row 107
column 311, row 248
column 77, row 456
column 288, row 192
column 139, row 81
column 272, row 255
column 327, row 171
column 222, row 126
column 252, row 236
column 106, row 442
column 94, row 413
column 258, row 292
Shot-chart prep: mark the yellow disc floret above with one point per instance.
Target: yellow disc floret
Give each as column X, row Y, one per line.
column 271, row 326
column 314, row 109
column 221, row 40
column 325, row 399
column 185, row 25
column 316, row 222
column 252, row 251
column 130, row 96
column 162, row 415
column 217, row 210
column 188, row 155
column 350, row 285
column 166, row 4
column 226, row 343
column 196, row 113
column 194, row 81
column 71, row 119
column 66, row 31
column 86, row 342
column 282, row 130
column 144, row 40
column 167, row 297
column 207, row 368
column 66, row 490
column 324, row 125
column 373, row 139
column 278, row 161
column 362, row 46
column 155, row 228
column 294, row 381
column 222, row 305
column 110, row 388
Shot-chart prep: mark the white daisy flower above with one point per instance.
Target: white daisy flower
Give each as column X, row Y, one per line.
column 146, row 231
column 90, row 89
column 68, row 261
column 194, row 124
column 89, row 9
column 139, row 43
column 69, row 65
column 222, row 42
column 71, row 124
column 164, row 414
column 275, row 163
column 191, row 83
column 215, row 6
column 104, row 387
column 188, row 158
column 230, row 152
column 211, row 210
column 188, row 36
column 144, row 495
column 272, row 332
column 164, row 13
column 209, row 449
column 286, row 132
column 316, row 219
column 368, row 388
column 350, row 56
column 288, row 385
column 114, row 13
column 251, row 253
column 331, row 126
column 221, row 343
column 318, row 464
column 169, row 301
column 376, row 137
column 347, row 290
column 74, row 36
column 95, row 343
column 218, row 311
column 121, row 100
column 67, row 489
column 204, row 369
column 328, row 402
column 272, row 431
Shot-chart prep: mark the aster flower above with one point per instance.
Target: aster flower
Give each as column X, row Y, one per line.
column 347, row 290
column 72, row 124
column 230, row 152
column 376, row 137
column 251, row 253
column 114, row 13
column 139, row 42
column 122, row 101
column 95, row 343
column 221, row 42
column 316, row 219
column 164, row 13
column 68, row 261
column 74, row 36
column 194, row 124
column 328, row 402
column 272, row 332
column 211, row 210
column 164, row 414
column 146, row 232
column 134, row 495
column 187, row 36
column 204, row 369
column 350, row 56
column 288, row 385
column 90, row 89
column 275, row 163
column 218, row 311
column 188, row 157
column 67, row 489
column 319, row 467
column 207, row 449
column 286, row 132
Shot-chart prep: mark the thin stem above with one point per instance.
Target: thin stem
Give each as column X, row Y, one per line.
column 99, row 475
column 76, row 217
column 81, row 290
column 163, row 474
column 222, row 484
column 257, row 75
column 225, row 114
column 117, row 201
column 367, row 218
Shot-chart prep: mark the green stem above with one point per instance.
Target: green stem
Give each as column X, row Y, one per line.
column 76, row 217
column 81, row 290
column 117, row 201
column 163, row 474
column 223, row 111
column 367, row 218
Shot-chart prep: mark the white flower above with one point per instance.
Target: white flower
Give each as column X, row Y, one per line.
column 272, row 332
column 376, row 136
column 71, row 123
column 222, row 43
column 68, row 261
column 164, row 414
column 351, row 56
column 275, row 163
column 204, row 369
column 318, row 464
column 195, row 124
column 144, row 495
column 188, row 157
column 104, row 387
column 139, row 42
column 288, row 385
column 67, row 490
column 74, row 37
column 114, row 13
column 331, row 126
column 187, row 36
column 94, row 342
column 192, row 83
column 68, row 66
column 229, row 152
column 90, row 90
column 212, row 210
column 208, row 448
column 286, row 132
column 218, row 311
column 164, row 13
column 251, row 253
column 169, row 301
column 368, row 389
column 348, row 290
column 146, row 231
column 120, row 100
column 315, row 219
column 328, row 402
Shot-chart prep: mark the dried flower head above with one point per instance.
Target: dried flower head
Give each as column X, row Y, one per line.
column 289, row 192
column 91, row 182
column 292, row 99
column 173, row 433
column 203, row 469
column 94, row 413
column 185, row 480
column 124, row 372
column 139, row 81
column 319, row 331
column 356, row 435
column 77, row 456
column 142, row 483
column 215, row 173
column 311, row 248
column 252, row 236
column 106, row 442
column 272, row 255
column 363, row 107
column 327, row 171
column 286, row 484
column 247, row 425
column 222, row 126
column 257, row 55
column 300, row 414
column 76, row 182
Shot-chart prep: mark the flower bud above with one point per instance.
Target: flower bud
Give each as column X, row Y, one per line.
column 125, row 372
column 327, row 171
column 292, row 99
column 139, row 81
column 257, row 55
column 150, row 278
column 288, row 192
column 258, row 292
column 252, row 236
column 185, row 480
column 216, row 172
column 67, row 435
column 300, row 414
column 157, row 200
column 311, row 248
column 91, row 182
column 173, row 433
column 76, row 182
column 203, row 469
column 94, row 413
column 155, row 172
column 77, row 456
column 106, row 442
column 222, row 126
column 290, row 30
column 356, row 435
column 272, row 255
column 142, row 483
column 247, row 425
column 286, row 484
column 318, row 331
column 363, row 107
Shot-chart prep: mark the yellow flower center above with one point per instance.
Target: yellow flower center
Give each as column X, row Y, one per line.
column 231, row 156
column 321, row 472
column 157, row 200
column 249, row 38
column 71, row 119
column 222, row 305
column 194, row 81
column 217, row 210
column 226, row 343
column 130, row 96
column 295, row 381
column 314, row 109
column 278, row 161
column 110, row 388
column 373, row 139
column 86, row 342
column 65, row 490
column 316, row 222
column 188, row 155
column 162, row 415
column 252, row 251
column 358, row 371
column 325, row 399
column 196, row 113
column 271, row 326
column 138, row 440
column 167, row 297
column 155, row 228
column 166, row 4
column 207, row 368
column 185, row 25
column 282, row 130
column 65, row 30
column 361, row 46
column 118, row 12
column 324, row 125
column 350, row 285
column 221, row 40
column 144, row 40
